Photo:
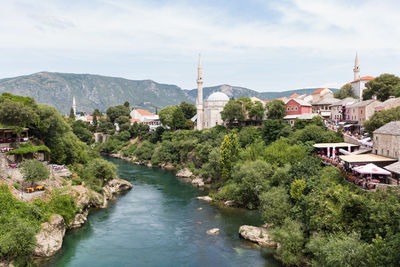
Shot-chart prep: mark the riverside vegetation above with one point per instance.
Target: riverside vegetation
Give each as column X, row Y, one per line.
column 21, row 221
column 319, row 218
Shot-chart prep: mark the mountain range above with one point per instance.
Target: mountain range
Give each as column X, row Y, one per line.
column 96, row 91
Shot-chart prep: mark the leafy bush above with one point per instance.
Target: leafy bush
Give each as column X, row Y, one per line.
column 34, row 170
column 275, row 205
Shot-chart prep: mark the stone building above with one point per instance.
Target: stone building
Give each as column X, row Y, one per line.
column 387, row 140
column 338, row 109
column 392, row 102
column 362, row 111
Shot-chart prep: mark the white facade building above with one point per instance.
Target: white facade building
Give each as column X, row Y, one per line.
column 208, row 113
column 358, row 84
column 143, row 115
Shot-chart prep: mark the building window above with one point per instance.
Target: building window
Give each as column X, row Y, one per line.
column 295, row 108
column 388, row 152
column 376, row 138
column 291, row 108
column 382, row 151
column 287, row 108
column 360, row 111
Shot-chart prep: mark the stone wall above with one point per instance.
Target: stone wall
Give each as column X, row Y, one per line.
column 387, row 145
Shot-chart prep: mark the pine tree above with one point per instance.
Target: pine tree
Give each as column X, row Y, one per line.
column 72, row 114
column 229, row 154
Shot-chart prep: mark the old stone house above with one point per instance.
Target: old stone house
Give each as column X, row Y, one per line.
column 387, row 140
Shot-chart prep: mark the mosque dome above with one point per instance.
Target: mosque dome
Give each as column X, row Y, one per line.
column 218, row 96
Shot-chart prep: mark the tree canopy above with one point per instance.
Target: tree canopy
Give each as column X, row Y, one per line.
column 383, row 87
column 276, row 109
column 345, row 91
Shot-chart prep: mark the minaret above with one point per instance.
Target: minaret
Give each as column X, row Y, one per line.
column 199, row 103
column 74, row 105
column 356, row 69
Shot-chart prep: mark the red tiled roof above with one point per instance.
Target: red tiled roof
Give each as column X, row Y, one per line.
column 281, row 98
column 144, row 112
column 365, row 78
column 134, row 120
column 67, row 117
column 294, row 95
column 318, row 91
column 89, row 118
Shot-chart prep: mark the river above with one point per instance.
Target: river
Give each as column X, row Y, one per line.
column 161, row 223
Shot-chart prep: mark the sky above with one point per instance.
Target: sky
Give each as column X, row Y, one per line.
column 265, row 45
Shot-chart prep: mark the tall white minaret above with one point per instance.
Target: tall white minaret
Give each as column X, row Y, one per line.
column 74, row 105
column 199, row 102
column 356, row 69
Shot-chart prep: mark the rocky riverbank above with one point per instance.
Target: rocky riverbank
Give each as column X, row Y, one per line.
column 50, row 238
column 183, row 174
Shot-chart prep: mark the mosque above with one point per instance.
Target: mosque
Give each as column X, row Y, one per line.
column 209, row 111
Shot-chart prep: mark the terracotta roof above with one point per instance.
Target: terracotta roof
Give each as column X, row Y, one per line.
column 392, row 128
column 89, row 118
column 318, row 91
column 67, row 117
column 365, row 78
column 134, row 120
column 144, row 112
column 294, row 95
column 281, row 98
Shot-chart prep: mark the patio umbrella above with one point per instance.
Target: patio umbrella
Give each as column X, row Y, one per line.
column 371, row 169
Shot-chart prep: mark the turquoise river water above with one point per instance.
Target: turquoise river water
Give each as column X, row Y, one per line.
column 161, row 223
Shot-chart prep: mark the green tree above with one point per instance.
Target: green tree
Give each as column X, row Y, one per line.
column 275, row 205
column 16, row 114
column 383, row 87
column 17, row 238
column 273, row 129
column 233, row 111
column 380, row 118
column 338, row 249
column 189, row 110
column 228, row 154
column 117, row 111
column 72, row 114
column 96, row 116
column 106, row 126
column 345, row 91
column 297, row 188
column 81, row 130
column 178, row 119
column 34, row 170
column 276, row 109
column 166, row 116
column 256, row 111
column 126, row 104
column 291, row 237
column 252, row 180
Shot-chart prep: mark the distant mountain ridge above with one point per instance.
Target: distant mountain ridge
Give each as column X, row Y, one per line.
column 96, row 91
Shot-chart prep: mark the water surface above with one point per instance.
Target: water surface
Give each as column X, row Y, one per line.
column 160, row 223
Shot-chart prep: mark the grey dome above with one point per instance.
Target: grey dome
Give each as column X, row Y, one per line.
column 218, row 96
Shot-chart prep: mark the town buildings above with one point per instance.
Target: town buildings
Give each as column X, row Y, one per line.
column 387, row 140
column 392, row 102
column 338, row 109
column 363, row 110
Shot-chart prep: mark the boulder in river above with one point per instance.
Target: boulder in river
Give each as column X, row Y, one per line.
column 230, row 203
column 50, row 238
column 198, row 182
column 184, row 173
column 213, row 231
column 205, row 198
column 257, row 234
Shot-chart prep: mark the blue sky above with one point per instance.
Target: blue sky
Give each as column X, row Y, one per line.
column 262, row 45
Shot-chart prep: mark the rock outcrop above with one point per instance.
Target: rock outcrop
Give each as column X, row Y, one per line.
column 79, row 220
column 230, row 203
column 213, row 231
column 184, row 173
column 198, row 182
column 257, row 234
column 205, row 198
column 50, row 238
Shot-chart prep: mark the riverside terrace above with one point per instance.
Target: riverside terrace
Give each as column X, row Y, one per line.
column 360, row 169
